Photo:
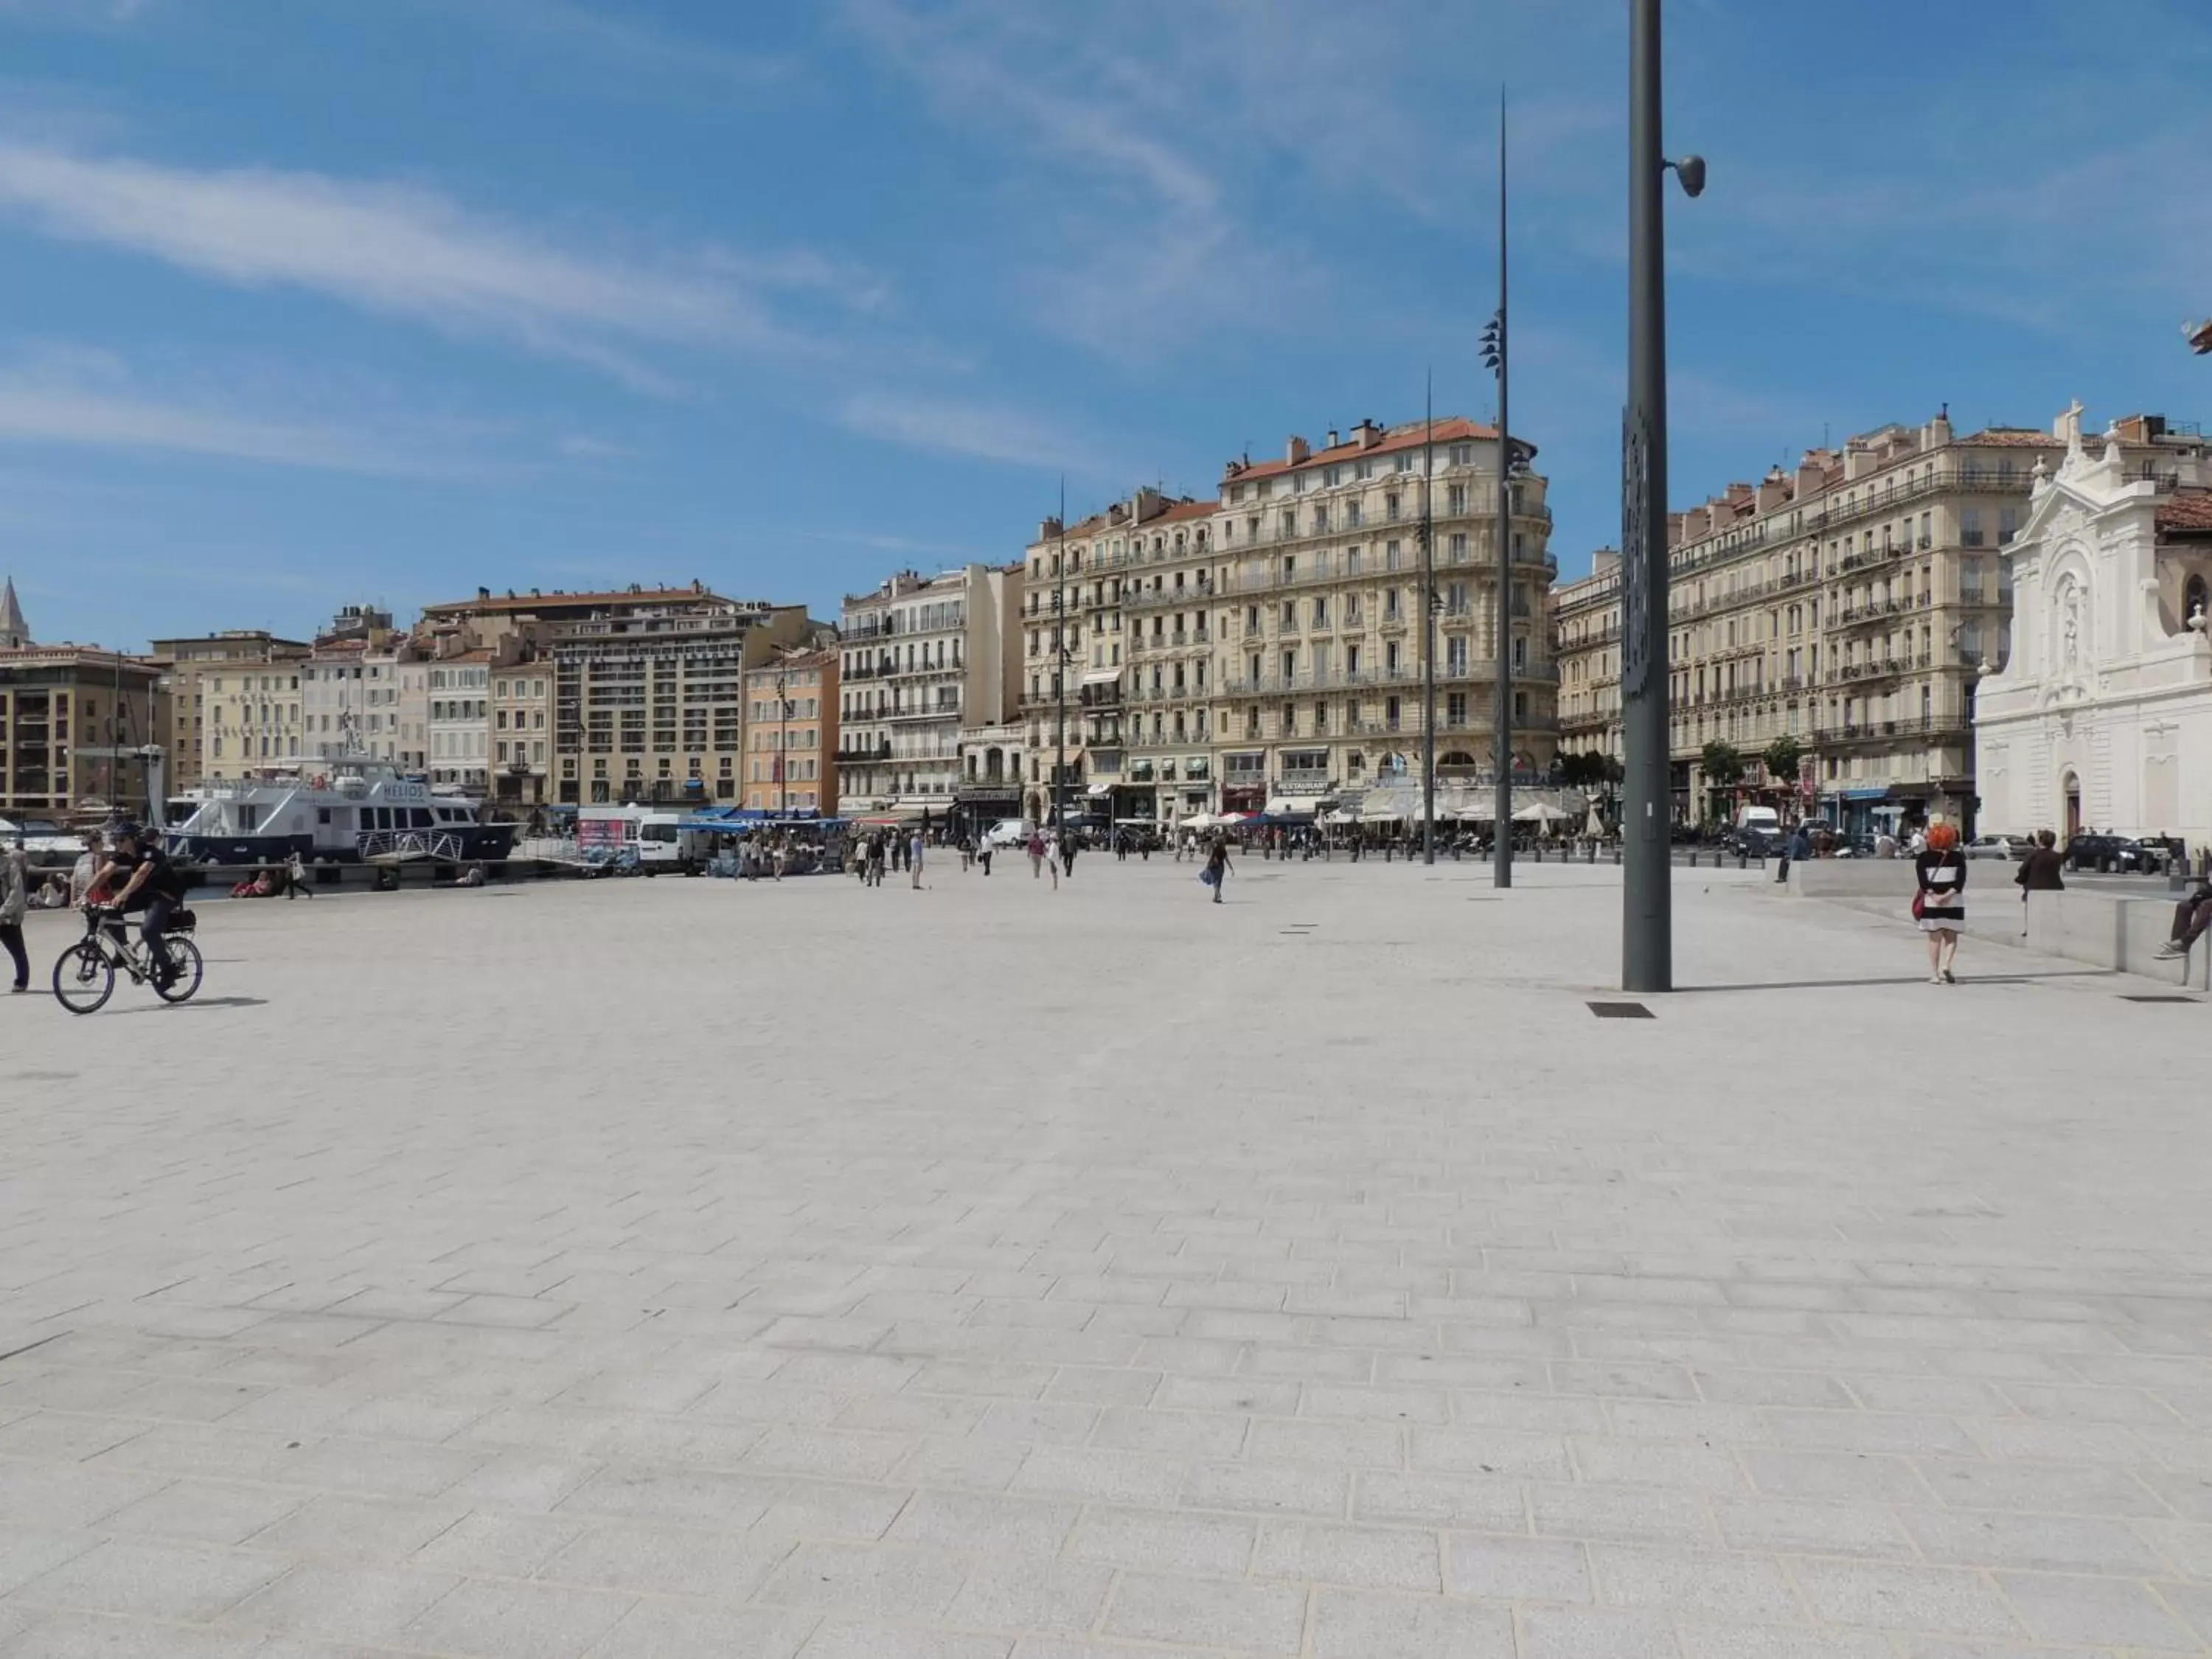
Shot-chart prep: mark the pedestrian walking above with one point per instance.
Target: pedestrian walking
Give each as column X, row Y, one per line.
column 983, row 852
column 1939, row 901
column 1216, row 873
column 1068, row 844
column 2041, row 871
column 15, row 904
column 1799, row 845
column 914, row 860
column 1036, row 855
column 296, row 877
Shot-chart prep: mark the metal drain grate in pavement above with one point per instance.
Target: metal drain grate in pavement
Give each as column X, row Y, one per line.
column 2167, row 998
column 1621, row 1010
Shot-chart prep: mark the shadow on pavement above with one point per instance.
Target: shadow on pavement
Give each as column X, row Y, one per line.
column 1900, row 979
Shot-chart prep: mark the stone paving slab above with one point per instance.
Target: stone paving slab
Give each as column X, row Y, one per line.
column 668, row 1268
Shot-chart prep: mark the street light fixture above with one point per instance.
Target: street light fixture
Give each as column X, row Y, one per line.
column 1648, row 951
column 1495, row 353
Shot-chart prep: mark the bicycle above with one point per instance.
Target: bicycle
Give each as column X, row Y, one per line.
column 84, row 976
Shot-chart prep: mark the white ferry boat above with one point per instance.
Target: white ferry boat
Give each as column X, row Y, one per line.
column 356, row 811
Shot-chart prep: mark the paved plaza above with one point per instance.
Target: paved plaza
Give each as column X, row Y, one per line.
column 644, row 1270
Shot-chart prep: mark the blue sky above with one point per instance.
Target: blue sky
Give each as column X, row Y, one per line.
column 304, row 302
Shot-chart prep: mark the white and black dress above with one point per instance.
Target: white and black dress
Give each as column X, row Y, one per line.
column 1942, row 878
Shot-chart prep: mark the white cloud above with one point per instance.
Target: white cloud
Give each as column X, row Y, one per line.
column 973, row 431
column 408, row 251
column 87, row 400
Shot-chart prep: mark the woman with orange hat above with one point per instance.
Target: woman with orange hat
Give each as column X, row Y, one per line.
column 1941, row 902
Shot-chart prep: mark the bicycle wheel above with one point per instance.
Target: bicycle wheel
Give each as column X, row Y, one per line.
column 83, row 978
column 184, row 968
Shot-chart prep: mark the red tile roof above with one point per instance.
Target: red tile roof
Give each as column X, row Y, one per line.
column 1178, row 512
column 1449, row 430
column 2187, row 512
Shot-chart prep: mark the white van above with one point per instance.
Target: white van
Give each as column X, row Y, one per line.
column 1765, row 819
column 650, row 832
column 1009, row 832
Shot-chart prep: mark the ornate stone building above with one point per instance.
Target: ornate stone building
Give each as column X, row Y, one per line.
column 2102, row 717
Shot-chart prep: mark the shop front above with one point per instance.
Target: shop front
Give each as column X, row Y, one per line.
column 1244, row 782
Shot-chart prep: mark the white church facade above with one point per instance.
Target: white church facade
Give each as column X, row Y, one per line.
column 2102, row 716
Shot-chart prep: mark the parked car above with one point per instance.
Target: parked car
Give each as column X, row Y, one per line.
column 1999, row 846
column 2144, row 855
column 1008, row 832
column 1758, row 841
column 2099, row 851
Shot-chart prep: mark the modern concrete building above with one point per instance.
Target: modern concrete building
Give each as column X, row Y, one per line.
column 792, row 733
column 74, row 720
column 234, row 704
column 646, row 683
column 921, row 657
column 1318, row 638
column 2102, row 716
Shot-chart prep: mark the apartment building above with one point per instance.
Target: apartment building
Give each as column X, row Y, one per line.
column 460, row 718
column 646, row 683
column 920, row 656
column 791, row 734
column 1163, row 578
column 1851, row 605
column 74, row 720
column 522, row 759
column 361, row 691
column 1318, row 641
column 1586, row 638
column 992, row 774
column 234, row 704
column 1056, row 673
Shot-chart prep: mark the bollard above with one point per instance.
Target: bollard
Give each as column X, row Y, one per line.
column 1616, row 852
column 1694, row 858
column 1590, row 852
column 1743, row 862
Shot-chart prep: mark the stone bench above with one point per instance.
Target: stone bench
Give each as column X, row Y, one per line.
column 2113, row 931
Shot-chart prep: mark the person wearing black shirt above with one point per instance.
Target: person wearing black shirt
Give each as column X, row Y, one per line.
column 141, row 878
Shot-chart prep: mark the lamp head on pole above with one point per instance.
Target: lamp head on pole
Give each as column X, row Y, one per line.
column 1691, row 170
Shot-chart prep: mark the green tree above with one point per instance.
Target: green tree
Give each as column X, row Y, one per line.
column 1782, row 758
column 1723, row 765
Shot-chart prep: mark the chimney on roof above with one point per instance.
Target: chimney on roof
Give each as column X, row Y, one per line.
column 535, row 594
column 1047, row 529
column 1368, row 434
column 483, row 596
column 1296, row 451
column 1939, row 429
column 1331, row 444
column 1773, row 489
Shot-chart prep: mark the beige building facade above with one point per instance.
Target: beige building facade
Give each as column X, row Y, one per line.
column 234, row 704
column 792, row 734
column 1319, row 646
column 920, row 658
column 1850, row 606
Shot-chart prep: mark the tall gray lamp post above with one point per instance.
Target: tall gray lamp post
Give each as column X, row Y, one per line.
column 1647, row 946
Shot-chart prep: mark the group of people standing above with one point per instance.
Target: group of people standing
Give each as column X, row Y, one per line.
column 889, row 848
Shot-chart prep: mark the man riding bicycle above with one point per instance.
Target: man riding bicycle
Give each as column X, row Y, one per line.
column 148, row 882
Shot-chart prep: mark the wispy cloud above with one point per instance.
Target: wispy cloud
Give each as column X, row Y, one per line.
column 406, row 251
column 974, row 431
column 655, row 57
column 77, row 399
